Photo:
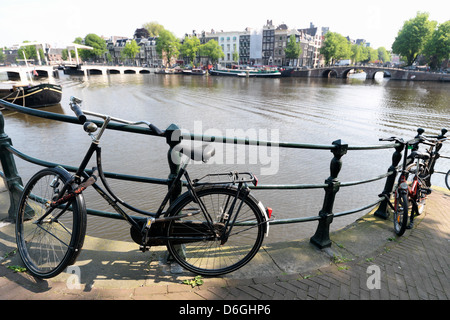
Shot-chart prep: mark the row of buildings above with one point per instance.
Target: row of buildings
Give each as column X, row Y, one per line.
column 265, row 46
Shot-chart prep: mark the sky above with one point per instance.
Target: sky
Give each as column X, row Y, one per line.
column 59, row 22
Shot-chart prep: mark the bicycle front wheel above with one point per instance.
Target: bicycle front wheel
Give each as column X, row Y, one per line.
column 211, row 247
column 47, row 243
column 400, row 212
column 447, row 179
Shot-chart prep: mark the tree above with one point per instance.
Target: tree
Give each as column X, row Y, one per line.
column 167, row 45
column 130, row 50
column 212, row 50
column 411, row 39
column 190, row 47
column 153, row 28
column 373, row 54
column 336, row 47
column 293, row 49
column 27, row 52
column 141, row 33
column 437, row 48
column 235, row 56
column 383, row 55
column 98, row 45
column 356, row 55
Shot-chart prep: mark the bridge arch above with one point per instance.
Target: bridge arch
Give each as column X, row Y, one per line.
column 42, row 73
column 329, row 73
column 129, row 71
column 373, row 74
column 113, row 71
column 95, row 71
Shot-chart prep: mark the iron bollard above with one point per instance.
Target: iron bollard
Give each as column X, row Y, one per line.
column 389, row 185
column 321, row 238
column 12, row 179
column 173, row 137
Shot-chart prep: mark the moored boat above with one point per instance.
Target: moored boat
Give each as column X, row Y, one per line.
column 33, row 96
column 165, row 71
column 249, row 73
column 198, row 72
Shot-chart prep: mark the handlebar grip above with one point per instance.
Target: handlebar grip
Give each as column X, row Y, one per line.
column 156, row 130
column 76, row 109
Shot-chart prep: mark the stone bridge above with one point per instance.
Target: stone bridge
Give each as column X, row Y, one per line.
column 21, row 72
column 103, row 70
column 394, row 73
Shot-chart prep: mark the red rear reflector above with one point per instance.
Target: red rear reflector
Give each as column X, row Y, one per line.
column 269, row 212
column 255, row 181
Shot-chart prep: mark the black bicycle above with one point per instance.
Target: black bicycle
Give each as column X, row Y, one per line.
column 414, row 184
column 212, row 229
column 426, row 166
column 411, row 191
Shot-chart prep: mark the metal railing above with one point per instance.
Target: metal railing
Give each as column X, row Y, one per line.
column 331, row 185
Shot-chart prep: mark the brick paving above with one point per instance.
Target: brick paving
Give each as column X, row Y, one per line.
column 413, row 267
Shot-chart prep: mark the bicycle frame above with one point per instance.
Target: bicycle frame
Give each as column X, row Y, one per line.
column 81, row 177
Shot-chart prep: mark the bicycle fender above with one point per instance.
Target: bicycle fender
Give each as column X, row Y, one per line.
column 263, row 211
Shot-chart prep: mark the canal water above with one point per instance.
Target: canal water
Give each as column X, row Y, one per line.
column 310, row 111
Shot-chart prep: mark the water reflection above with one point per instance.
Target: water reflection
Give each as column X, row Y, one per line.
column 315, row 111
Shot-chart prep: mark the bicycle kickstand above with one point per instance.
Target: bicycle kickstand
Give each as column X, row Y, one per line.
column 145, row 231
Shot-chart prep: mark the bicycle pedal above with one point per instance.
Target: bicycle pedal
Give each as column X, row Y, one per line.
column 144, row 248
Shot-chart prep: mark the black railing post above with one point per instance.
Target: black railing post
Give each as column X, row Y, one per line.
column 321, row 238
column 389, row 185
column 12, row 178
column 173, row 137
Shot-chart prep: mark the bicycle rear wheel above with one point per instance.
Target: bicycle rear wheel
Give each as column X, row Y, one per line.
column 48, row 245
column 207, row 252
column 400, row 212
column 424, row 176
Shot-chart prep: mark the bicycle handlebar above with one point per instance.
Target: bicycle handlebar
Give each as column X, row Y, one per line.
column 398, row 140
column 74, row 105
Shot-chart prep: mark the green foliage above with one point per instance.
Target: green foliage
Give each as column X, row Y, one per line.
column 17, row 268
column 97, row 43
column 413, row 36
column 167, row 45
column 29, row 52
column 437, row 48
column 153, row 28
column 335, row 47
column 293, row 49
column 190, row 47
column 212, row 50
column 197, row 281
column 130, row 50
column 383, row 55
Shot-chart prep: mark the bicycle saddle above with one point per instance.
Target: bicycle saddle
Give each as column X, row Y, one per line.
column 202, row 152
column 419, row 155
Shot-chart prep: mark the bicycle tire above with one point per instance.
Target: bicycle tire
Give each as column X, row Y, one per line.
column 447, row 179
column 210, row 257
column 400, row 212
column 47, row 248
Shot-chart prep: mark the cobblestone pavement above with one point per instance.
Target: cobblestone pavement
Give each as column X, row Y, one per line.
column 413, row 267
